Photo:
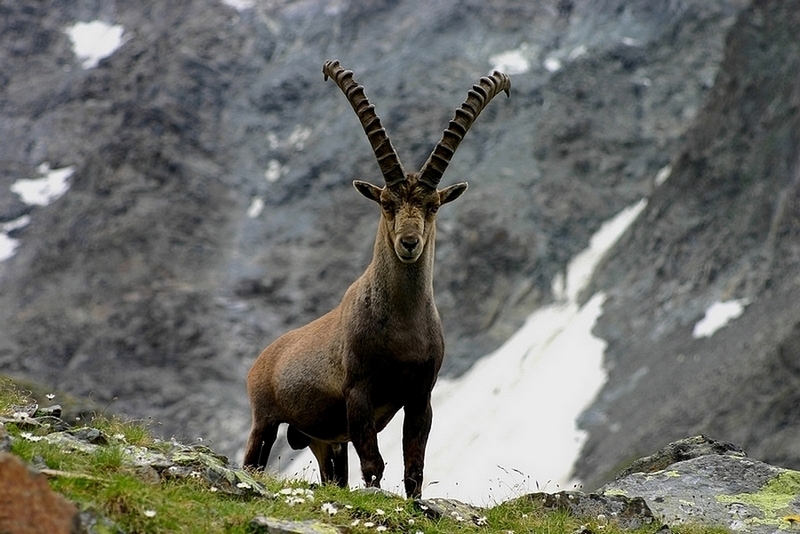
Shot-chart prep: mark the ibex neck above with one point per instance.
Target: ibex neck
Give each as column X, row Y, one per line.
column 405, row 285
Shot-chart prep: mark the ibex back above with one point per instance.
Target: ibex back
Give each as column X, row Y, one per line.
column 345, row 375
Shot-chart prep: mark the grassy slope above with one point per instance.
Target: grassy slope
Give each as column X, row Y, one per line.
column 102, row 483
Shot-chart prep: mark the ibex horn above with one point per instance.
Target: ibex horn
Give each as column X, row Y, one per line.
column 388, row 161
column 477, row 99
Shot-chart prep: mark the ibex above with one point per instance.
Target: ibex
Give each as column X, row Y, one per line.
column 345, row 375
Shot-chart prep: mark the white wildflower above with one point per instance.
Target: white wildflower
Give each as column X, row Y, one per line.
column 119, row 437
column 379, row 511
column 242, row 485
column 214, row 489
column 329, row 508
column 50, row 396
column 481, row 521
column 368, row 524
column 348, row 506
column 457, row 516
column 411, row 521
column 355, row 522
column 286, row 491
column 31, row 437
column 149, row 513
column 398, row 509
column 381, row 528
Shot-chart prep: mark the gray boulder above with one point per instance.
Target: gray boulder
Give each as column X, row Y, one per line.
column 726, row 490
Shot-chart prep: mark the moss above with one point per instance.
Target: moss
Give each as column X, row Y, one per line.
column 773, row 500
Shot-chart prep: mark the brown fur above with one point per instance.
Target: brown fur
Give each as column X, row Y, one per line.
column 345, row 375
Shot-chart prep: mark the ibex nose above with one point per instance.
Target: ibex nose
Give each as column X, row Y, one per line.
column 409, row 242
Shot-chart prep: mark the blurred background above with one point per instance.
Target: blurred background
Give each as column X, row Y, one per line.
column 175, row 193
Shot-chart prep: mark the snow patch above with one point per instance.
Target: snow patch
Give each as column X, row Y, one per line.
column 511, row 61
column 43, row 191
column 662, row 175
column 8, row 245
column 297, row 139
column 577, row 52
column 717, row 316
column 552, row 64
column 240, row 5
column 93, row 41
column 581, row 267
column 256, row 207
column 274, row 171
column 508, row 425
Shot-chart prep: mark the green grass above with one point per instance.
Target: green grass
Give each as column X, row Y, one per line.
column 101, row 482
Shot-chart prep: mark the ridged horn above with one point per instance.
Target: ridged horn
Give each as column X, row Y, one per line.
column 477, row 98
column 385, row 153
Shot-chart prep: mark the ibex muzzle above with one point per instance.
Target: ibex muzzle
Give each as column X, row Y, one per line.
column 345, row 375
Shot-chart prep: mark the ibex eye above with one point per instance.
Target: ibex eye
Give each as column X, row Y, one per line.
column 433, row 209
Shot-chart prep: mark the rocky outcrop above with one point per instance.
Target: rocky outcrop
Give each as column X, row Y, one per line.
column 692, row 481
column 626, row 512
column 722, row 227
column 170, row 460
column 695, row 480
column 679, row 451
column 723, row 490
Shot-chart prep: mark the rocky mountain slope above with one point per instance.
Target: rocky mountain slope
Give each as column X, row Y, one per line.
column 724, row 226
column 210, row 207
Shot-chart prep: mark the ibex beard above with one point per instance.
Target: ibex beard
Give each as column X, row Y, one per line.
column 344, row 376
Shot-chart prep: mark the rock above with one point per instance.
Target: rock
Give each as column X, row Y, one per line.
column 724, row 490
column 678, row 451
column 28, row 505
column 30, row 416
column 68, row 441
column 5, row 439
column 49, row 411
column 201, row 462
column 90, row 435
column 627, row 511
column 179, row 461
column 439, row 507
column 269, row 525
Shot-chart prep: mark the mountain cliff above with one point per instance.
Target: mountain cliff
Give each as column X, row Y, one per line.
column 210, row 206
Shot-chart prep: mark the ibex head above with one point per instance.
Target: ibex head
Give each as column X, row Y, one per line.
column 410, row 200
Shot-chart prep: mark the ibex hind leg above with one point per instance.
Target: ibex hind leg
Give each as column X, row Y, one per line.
column 332, row 460
column 259, row 444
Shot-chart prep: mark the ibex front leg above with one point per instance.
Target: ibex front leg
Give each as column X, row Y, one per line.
column 416, row 427
column 363, row 433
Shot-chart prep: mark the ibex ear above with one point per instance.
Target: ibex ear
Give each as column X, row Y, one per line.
column 450, row 193
column 372, row 192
